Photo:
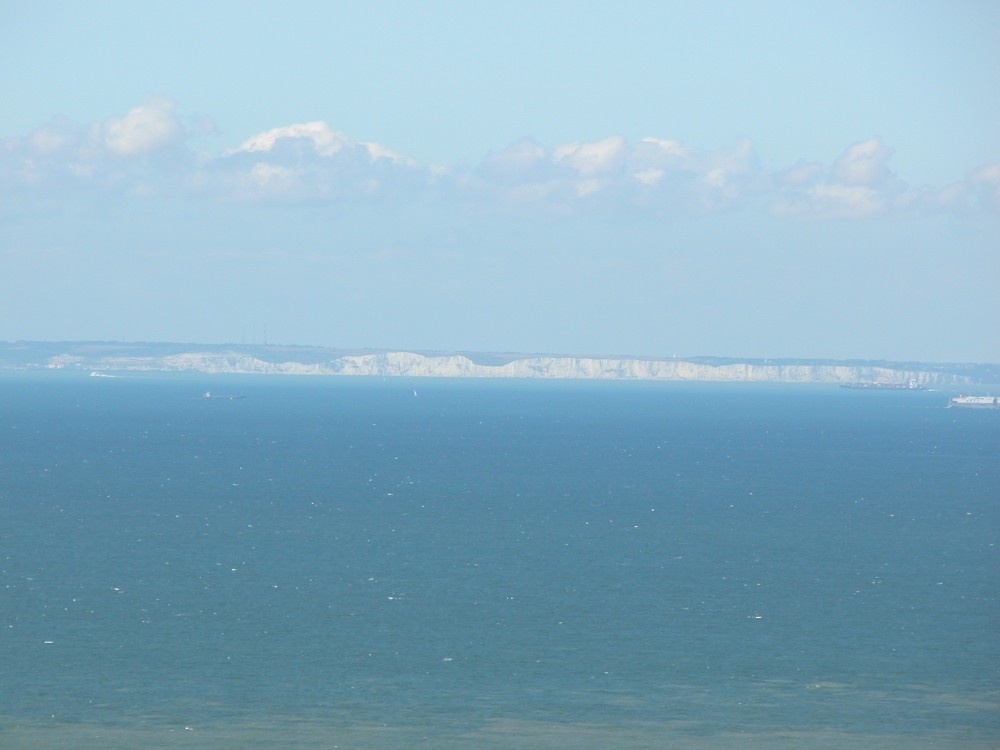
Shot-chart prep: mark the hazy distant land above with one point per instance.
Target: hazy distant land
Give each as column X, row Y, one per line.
column 109, row 357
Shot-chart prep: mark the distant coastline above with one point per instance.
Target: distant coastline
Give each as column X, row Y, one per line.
column 110, row 357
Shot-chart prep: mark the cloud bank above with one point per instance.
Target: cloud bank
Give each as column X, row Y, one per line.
column 150, row 150
column 146, row 128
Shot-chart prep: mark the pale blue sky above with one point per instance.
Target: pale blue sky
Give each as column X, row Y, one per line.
column 749, row 179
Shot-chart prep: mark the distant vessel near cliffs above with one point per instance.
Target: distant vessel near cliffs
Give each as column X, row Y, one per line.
column 975, row 402
column 910, row 385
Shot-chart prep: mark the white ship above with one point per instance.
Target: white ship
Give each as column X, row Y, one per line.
column 975, row 402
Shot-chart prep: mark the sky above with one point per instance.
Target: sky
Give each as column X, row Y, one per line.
column 745, row 179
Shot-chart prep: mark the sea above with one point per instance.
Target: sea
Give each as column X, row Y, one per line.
column 369, row 563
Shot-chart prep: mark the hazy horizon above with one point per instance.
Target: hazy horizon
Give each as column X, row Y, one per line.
column 751, row 181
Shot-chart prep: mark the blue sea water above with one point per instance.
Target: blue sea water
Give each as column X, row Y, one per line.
column 367, row 563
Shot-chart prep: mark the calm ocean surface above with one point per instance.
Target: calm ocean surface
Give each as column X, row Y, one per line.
column 371, row 564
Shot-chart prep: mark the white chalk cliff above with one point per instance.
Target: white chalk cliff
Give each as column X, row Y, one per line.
column 409, row 364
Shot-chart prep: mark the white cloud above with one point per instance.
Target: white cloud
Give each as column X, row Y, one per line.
column 377, row 151
column 801, row 173
column 990, row 174
column 265, row 182
column 717, row 177
column 53, row 139
column 846, row 201
column 652, row 160
column 649, row 177
column 979, row 191
column 264, row 174
column 148, row 127
column 62, row 156
column 739, row 161
column 864, row 163
column 325, row 141
column 984, row 186
column 517, row 159
column 588, row 187
column 613, row 172
column 858, row 185
column 668, row 147
column 311, row 162
column 725, row 177
column 590, row 159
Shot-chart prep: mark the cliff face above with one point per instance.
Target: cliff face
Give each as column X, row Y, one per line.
column 410, row 364
column 403, row 363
